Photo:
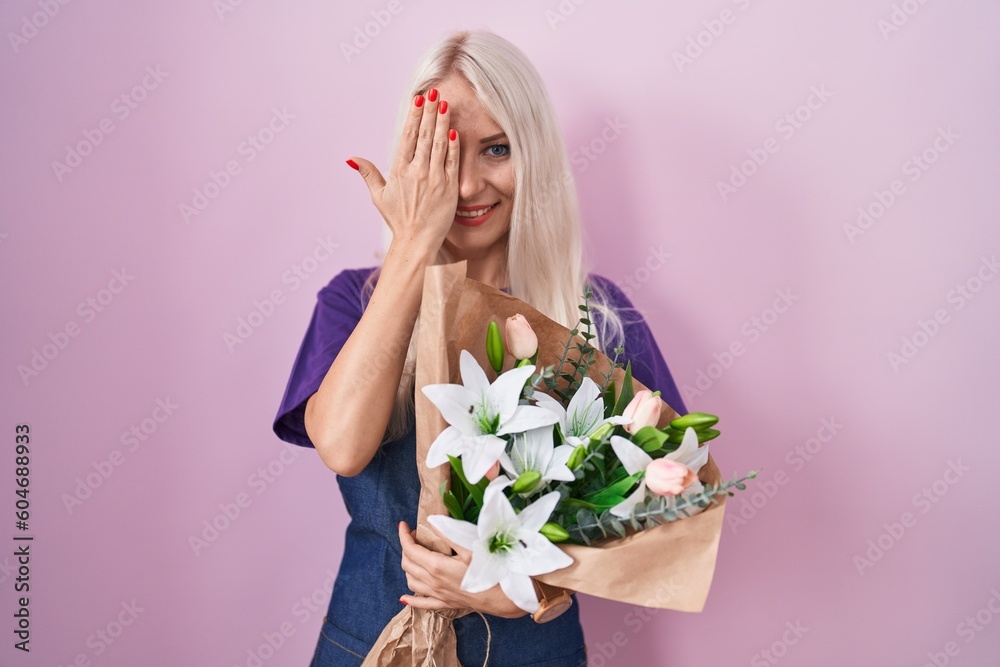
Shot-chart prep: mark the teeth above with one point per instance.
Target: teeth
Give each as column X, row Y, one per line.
column 472, row 214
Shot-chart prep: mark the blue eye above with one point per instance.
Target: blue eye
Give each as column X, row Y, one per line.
column 505, row 150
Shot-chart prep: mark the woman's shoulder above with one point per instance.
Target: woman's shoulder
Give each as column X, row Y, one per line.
column 349, row 280
column 345, row 292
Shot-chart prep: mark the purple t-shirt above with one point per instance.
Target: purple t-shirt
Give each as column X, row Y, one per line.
column 338, row 311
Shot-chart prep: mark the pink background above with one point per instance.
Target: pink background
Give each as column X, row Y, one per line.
column 797, row 559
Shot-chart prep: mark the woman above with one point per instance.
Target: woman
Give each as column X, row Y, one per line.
column 480, row 173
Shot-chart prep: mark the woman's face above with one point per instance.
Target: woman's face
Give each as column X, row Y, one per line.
column 485, row 174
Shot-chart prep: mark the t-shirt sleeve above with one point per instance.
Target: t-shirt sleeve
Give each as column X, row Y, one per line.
column 648, row 365
column 337, row 312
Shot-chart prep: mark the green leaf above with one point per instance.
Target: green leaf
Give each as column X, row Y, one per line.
column 606, row 499
column 619, row 487
column 649, row 438
column 476, row 490
column 614, row 493
column 576, row 502
column 627, row 393
column 451, row 502
column 609, row 399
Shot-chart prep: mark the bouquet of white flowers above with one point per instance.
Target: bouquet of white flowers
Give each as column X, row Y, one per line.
column 571, row 474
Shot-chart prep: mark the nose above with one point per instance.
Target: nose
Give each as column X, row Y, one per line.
column 470, row 178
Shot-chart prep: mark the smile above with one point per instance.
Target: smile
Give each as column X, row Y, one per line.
column 476, row 217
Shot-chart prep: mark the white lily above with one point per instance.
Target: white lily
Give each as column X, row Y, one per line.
column 479, row 413
column 583, row 416
column 506, row 547
column 634, row 459
column 535, row 450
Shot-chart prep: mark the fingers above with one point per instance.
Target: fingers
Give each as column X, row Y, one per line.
column 417, row 560
column 425, row 602
column 410, row 548
column 371, row 174
column 464, row 554
column 451, row 160
column 425, row 135
column 427, row 571
column 439, row 145
column 434, row 562
column 411, row 127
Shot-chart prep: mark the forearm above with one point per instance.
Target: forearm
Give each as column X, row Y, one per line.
column 347, row 416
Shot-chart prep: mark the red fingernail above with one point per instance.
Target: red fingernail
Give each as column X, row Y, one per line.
column 432, row 94
column 420, row 101
column 353, row 164
column 444, row 106
column 402, row 600
column 452, row 134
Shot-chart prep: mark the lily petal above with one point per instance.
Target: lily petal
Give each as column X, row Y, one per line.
column 496, row 513
column 549, row 403
column 473, row 376
column 581, row 406
column 480, row 454
column 558, row 470
column 540, row 556
column 521, row 591
column 618, row 420
column 534, row 516
column 623, row 509
column 485, row 570
column 505, row 392
column 462, row 533
column 527, row 417
column 448, row 441
column 631, row 455
column 454, row 401
column 689, row 453
column 508, row 465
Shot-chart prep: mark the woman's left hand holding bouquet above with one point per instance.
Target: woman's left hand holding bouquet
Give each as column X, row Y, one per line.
column 436, row 580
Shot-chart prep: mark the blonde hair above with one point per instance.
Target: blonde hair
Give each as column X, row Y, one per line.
column 545, row 263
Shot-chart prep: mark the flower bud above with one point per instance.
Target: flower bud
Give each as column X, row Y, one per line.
column 494, row 346
column 576, row 457
column 522, row 343
column 667, row 477
column 554, row 532
column 601, row 431
column 492, row 473
column 643, row 410
column 527, row 481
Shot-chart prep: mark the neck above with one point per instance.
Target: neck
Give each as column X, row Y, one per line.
column 488, row 267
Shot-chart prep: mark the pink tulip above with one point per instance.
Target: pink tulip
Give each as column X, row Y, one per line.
column 668, row 478
column 643, row 410
column 492, row 473
column 522, row 343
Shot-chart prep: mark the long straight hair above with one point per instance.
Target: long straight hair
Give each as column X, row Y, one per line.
column 545, row 263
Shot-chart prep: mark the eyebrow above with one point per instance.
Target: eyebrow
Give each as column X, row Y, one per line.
column 502, row 135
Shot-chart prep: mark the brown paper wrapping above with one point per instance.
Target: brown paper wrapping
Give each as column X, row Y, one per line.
column 667, row 567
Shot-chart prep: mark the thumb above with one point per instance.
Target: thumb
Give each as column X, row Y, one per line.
column 373, row 178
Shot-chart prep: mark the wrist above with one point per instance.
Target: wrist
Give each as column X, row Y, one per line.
column 418, row 246
column 552, row 601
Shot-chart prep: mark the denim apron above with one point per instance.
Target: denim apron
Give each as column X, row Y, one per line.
column 370, row 581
